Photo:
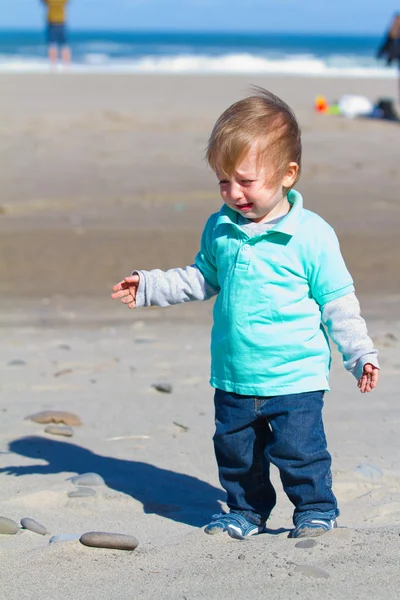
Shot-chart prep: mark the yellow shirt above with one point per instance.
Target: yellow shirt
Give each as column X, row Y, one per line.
column 56, row 11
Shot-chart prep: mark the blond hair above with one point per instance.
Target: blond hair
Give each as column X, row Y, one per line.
column 262, row 119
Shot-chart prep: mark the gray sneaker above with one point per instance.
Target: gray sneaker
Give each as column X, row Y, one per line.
column 235, row 524
column 313, row 527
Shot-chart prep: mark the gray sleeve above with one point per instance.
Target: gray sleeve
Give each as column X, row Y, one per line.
column 165, row 288
column 348, row 330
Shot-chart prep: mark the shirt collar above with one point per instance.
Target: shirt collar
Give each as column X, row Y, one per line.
column 288, row 225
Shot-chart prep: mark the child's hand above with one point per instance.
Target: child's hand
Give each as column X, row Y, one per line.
column 369, row 378
column 126, row 290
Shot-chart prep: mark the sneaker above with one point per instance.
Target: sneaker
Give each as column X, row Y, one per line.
column 313, row 527
column 235, row 524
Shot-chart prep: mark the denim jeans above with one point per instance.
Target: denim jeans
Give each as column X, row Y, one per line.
column 286, row 431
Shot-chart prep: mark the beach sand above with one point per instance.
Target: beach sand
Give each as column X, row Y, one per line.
column 102, row 174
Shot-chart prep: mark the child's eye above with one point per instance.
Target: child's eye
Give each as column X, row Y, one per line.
column 246, row 181
column 223, row 181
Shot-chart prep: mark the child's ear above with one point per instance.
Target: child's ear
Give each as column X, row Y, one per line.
column 290, row 176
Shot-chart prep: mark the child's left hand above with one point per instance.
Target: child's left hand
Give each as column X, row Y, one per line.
column 369, row 378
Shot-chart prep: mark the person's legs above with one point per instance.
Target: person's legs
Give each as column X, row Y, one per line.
column 298, row 449
column 66, row 55
column 52, row 43
column 240, row 440
column 63, row 41
column 58, row 44
column 53, row 54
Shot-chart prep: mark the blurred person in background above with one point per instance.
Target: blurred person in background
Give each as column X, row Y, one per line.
column 56, row 31
column 390, row 49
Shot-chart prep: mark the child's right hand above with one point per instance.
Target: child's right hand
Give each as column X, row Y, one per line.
column 126, row 290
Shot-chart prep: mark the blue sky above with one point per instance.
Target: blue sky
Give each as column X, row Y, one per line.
column 363, row 16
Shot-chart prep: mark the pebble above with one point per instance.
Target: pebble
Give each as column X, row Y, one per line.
column 369, row 471
column 164, row 387
column 82, row 492
column 306, row 544
column 62, row 372
column 64, row 347
column 59, row 430
column 310, row 571
column 55, row 416
column 87, row 479
column 101, row 539
column 64, row 537
column 8, row 526
column 16, row 363
column 33, row 525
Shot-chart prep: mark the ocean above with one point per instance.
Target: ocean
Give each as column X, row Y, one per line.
column 201, row 53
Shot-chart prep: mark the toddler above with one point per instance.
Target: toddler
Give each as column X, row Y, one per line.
column 280, row 284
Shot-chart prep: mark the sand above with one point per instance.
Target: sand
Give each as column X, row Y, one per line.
column 102, row 174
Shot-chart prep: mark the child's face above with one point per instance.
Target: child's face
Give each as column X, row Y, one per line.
column 249, row 193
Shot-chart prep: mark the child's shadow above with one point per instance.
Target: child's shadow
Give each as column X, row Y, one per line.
column 179, row 497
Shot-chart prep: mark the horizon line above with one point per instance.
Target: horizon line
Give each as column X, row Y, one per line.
column 241, row 33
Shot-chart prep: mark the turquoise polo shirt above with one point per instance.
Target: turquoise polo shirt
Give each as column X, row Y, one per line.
column 267, row 338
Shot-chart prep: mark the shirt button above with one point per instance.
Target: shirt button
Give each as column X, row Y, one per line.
column 246, row 248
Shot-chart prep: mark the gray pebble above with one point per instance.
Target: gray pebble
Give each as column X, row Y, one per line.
column 311, row 571
column 16, row 363
column 306, row 544
column 82, row 492
column 369, row 471
column 59, row 430
column 8, row 526
column 164, row 387
column 101, row 539
column 64, row 347
column 87, row 479
column 64, row 537
column 33, row 525
column 241, row 556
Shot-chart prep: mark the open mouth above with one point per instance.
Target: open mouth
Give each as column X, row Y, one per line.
column 244, row 207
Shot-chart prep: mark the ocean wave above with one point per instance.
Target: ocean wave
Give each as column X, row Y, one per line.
column 244, row 63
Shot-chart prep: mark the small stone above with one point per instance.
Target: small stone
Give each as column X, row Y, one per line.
column 16, row 363
column 164, row 387
column 369, row 471
column 33, row 525
column 64, row 537
column 241, row 556
column 59, row 430
column 117, row 541
column 306, row 544
column 8, row 526
column 311, row 571
column 82, row 492
column 64, row 347
column 55, row 416
column 62, row 372
column 87, row 479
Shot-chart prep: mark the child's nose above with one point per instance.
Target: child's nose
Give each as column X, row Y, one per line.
column 236, row 190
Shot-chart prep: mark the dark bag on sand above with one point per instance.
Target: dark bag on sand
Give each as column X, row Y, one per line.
column 386, row 109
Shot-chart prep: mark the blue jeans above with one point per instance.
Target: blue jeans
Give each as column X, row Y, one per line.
column 286, row 431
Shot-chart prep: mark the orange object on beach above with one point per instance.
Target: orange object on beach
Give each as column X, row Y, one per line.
column 321, row 104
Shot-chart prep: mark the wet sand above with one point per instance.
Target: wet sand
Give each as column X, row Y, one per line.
column 103, row 174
